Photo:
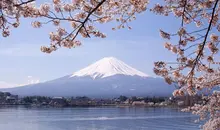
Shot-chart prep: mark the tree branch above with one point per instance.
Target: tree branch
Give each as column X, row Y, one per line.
column 206, row 35
column 22, row 3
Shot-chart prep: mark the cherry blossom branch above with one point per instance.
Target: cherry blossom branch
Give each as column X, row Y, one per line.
column 206, row 35
column 22, row 3
column 86, row 19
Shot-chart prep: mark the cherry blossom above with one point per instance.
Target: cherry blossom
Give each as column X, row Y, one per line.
column 197, row 50
column 197, row 64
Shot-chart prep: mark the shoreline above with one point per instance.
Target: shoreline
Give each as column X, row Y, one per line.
column 88, row 106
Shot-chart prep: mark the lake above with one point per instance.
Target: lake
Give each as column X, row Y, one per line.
column 101, row 118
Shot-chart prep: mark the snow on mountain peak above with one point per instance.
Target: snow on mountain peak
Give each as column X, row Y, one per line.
column 106, row 67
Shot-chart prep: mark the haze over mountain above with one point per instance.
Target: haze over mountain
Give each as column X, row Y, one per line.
column 107, row 77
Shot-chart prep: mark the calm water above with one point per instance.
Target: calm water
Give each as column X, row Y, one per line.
column 20, row 118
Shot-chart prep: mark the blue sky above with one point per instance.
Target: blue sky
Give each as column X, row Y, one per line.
column 21, row 57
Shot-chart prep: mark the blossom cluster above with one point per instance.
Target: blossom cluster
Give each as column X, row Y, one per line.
column 82, row 16
column 196, row 50
column 208, row 109
column 195, row 42
column 10, row 13
column 196, row 46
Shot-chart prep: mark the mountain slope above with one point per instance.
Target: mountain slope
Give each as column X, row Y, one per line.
column 108, row 77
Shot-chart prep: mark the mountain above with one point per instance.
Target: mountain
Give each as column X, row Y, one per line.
column 108, row 77
column 107, row 67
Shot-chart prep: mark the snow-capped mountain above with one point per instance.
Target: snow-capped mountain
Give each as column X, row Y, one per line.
column 108, row 77
column 107, row 67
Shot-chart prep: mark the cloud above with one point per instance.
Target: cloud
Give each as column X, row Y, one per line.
column 7, row 85
column 34, row 81
column 31, row 80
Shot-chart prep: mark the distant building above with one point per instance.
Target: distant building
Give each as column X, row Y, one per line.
column 81, row 101
column 186, row 100
column 12, row 99
column 58, row 102
column 157, row 104
column 163, row 104
column 150, row 103
column 138, row 103
column 180, row 103
column 128, row 101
